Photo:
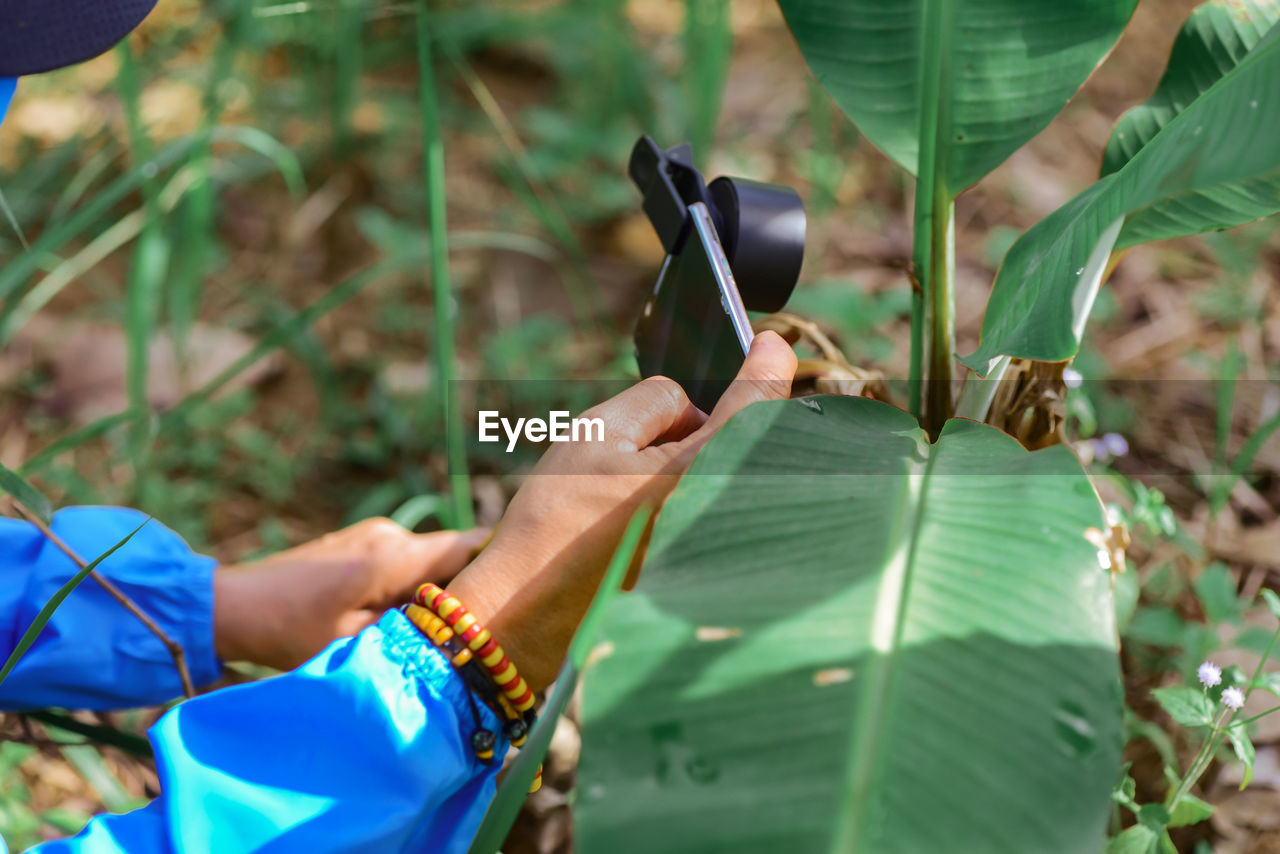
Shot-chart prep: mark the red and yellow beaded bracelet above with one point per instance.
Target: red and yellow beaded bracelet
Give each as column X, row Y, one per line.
column 479, row 642
column 481, row 662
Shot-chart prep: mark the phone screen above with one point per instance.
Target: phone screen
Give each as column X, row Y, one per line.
column 694, row 329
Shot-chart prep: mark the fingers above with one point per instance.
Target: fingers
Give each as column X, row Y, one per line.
column 765, row 375
column 656, row 409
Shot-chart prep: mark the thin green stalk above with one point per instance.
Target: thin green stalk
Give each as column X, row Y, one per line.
column 708, row 47
column 1203, row 757
column 915, row 373
column 348, row 62
column 441, row 285
column 1257, row 671
column 196, row 216
column 1250, row 720
column 147, row 268
column 933, row 237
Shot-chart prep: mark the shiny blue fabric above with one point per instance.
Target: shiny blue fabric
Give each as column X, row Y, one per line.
column 365, row 748
column 361, row 749
column 7, row 85
column 94, row 654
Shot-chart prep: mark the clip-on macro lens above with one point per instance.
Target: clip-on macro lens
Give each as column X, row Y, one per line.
column 732, row 246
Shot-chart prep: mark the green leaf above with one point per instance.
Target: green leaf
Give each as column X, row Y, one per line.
column 1157, row 625
column 1273, row 602
column 45, row 613
column 1222, row 144
column 859, row 629
column 12, row 483
column 1216, row 37
column 961, row 84
column 1269, row 682
column 1186, row 705
column 1190, row 810
column 1238, row 735
column 1215, row 587
column 65, row 821
column 511, row 795
column 1127, row 789
column 1138, row 839
column 1154, row 816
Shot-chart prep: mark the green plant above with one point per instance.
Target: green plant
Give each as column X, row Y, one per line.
column 1213, row 712
column 876, row 626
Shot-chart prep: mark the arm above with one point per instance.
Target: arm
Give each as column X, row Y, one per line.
column 366, row 747
column 279, row 611
column 94, row 654
column 363, row 748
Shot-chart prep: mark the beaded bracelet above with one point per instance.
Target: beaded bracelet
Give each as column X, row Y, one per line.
column 478, row 642
column 483, row 666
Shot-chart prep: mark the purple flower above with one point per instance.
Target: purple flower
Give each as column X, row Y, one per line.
column 1233, row 698
column 1115, row 444
column 1210, row 674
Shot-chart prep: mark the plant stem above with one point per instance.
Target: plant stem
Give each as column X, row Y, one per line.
column 939, row 315
column 916, row 371
column 1261, row 715
column 1257, row 671
column 1202, row 760
column 147, row 270
column 933, row 229
column 441, row 286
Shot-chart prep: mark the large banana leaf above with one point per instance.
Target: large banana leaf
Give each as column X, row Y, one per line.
column 849, row 639
column 1215, row 164
column 960, row 84
column 1215, row 38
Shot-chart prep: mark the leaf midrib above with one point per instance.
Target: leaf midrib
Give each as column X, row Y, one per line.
column 874, row 698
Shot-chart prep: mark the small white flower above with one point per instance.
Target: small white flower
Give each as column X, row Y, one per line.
column 1072, row 378
column 1210, row 674
column 1233, row 698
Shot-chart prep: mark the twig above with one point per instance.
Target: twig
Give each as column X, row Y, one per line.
column 175, row 649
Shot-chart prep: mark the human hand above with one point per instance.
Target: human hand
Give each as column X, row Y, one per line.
column 284, row 609
column 532, row 585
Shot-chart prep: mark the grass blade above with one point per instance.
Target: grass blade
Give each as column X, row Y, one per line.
column 13, row 483
column 86, row 759
column 73, row 440
column 441, row 285
column 42, row 618
column 134, row 745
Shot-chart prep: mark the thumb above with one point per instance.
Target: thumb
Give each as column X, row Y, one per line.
column 765, row 375
column 441, row 555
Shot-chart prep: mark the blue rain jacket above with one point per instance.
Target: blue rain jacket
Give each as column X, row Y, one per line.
column 362, row 749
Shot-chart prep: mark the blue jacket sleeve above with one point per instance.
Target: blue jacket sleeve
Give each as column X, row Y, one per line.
column 94, row 654
column 362, row 749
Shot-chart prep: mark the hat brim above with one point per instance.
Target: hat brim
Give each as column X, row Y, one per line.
column 41, row 35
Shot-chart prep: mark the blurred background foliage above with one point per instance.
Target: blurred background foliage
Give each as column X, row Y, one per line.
column 234, row 331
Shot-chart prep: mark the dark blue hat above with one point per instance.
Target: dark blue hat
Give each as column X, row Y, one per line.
column 41, row 35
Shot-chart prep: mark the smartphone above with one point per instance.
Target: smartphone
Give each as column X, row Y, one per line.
column 694, row 328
